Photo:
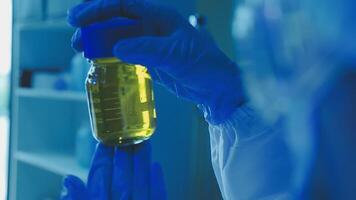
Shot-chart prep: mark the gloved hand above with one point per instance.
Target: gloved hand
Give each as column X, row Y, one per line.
column 183, row 59
column 119, row 173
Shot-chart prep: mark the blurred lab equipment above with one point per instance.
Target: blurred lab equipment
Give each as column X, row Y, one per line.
column 120, row 96
column 50, row 80
column 67, row 78
column 198, row 21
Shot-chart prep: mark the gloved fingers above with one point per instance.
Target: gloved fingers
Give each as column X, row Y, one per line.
column 160, row 77
column 174, row 57
column 71, row 13
column 74, row 189
column 142, row 171
column 176, row 54
column 77, row 41
column 156, row 52
column 157, row 186
column 170, row 83
column 91, row 12
column 99, row 178
column 155, row 74
column 160, row 20
column 122, row 177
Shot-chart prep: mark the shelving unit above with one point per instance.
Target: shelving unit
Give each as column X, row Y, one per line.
column 44, row 122
column 37, row 145
column 60, row 164
column 51, row 94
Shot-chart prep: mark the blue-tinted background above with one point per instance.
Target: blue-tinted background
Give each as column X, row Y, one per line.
column 285, row 69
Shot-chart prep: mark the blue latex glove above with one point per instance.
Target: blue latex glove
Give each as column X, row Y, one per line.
column 183, row 59
column 119, row 173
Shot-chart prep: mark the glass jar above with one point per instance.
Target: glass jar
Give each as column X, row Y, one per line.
column 121, row 102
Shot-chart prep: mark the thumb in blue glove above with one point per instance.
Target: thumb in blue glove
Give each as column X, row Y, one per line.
column 119, row 173
column 183, row 59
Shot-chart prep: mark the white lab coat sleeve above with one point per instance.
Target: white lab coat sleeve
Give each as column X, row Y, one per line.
column 251, row 159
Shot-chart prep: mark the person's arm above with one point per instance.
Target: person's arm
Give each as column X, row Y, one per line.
column 251, row 159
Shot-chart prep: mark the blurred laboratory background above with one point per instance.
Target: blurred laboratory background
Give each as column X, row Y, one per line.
column 295, row 67
column 50, row 137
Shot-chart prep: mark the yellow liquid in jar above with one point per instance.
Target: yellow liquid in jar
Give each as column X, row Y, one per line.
column 121, row 102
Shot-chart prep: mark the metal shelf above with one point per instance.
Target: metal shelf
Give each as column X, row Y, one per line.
column 51, row 94
column 41, row 25
column 60, row 164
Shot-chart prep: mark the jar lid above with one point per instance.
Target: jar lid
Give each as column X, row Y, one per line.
column 99, row 38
